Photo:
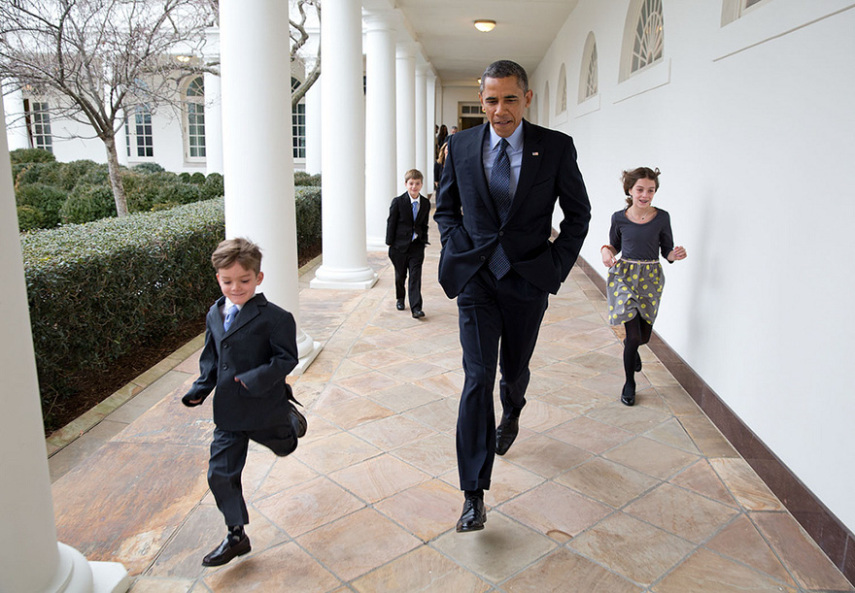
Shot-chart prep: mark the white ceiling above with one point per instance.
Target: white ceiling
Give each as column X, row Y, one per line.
column 459, row 53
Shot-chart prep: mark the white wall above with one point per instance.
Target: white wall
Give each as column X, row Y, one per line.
column 753, row 131
column 451, row 96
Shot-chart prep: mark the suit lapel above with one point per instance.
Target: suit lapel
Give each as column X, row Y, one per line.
column 247, row 313
column 531, row 160
column 474, row 163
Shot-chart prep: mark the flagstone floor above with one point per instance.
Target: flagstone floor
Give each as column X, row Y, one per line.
column 593, row 496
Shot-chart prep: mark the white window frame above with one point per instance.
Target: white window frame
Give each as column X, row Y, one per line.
column 652, row 74
column 38, row 124
column 194, row 120
column 132, row 136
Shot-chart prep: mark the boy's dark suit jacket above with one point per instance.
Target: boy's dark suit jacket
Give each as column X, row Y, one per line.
column 548, row 172
column 400, row 224
column 260, row 349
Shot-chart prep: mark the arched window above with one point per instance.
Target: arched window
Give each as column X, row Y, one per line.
column 194, row 112
column 561, row 99
column 589, row 77
column 298, row 124
column 644, row 37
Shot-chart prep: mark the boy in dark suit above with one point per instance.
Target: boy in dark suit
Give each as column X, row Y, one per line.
column 250, row 347
column 406, row 236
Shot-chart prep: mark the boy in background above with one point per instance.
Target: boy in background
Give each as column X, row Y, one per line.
column 406, row 236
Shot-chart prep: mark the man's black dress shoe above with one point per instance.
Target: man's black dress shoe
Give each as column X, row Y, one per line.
column 507, row 432
column 474, row 515
column 400, row 305
column 224, row 553
column 627, row 396
column 418, row 314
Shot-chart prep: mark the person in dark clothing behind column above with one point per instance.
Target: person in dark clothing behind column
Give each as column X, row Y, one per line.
column 494, row 210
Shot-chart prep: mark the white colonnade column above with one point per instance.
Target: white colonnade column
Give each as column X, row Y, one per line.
column 313, row 125
column 213, row 105
column 421, row 121
column 381, row 183
column 345, row 262
column 405, row 85
column 431, row 127
column 30, row 558
column 258, row 159
column 16, row 130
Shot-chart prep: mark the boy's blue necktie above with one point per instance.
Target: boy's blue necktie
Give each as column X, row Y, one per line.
column 415, row 212
column 230, row 317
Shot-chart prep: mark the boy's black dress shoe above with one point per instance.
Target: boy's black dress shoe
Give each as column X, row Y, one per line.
column 418, row 314
column 298, row 422
column 224, row 553
column 627, row 396
column 474, row 515
column 400, row 305
column 507, row 432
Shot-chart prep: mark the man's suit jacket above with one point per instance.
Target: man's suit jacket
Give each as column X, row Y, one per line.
column 260, row 349
column 470, row 227
column 400, row 224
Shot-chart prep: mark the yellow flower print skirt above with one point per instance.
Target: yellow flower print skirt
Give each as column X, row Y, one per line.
column 634, row 288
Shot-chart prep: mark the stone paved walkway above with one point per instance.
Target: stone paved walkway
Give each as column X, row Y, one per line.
column 593, row 496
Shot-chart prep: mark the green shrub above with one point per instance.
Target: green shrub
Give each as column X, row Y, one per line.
column 49, row 173
column 213, row 187
column 29, row 218
column 97, row 291
column 88, row 203
column 46, row 199
column 179, row 193
column 83, row 172
column 184, row 177
column 148, row 168
column 301, row 178
column 197, row 178
column 307, row 202
column 31, row 155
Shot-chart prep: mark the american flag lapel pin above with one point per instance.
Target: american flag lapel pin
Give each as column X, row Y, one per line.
column 535, row 153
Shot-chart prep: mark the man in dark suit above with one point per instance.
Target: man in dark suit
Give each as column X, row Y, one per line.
column 494, row 210
column 406, row 236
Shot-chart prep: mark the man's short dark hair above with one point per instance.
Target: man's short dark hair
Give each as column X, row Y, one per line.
column 503, row 69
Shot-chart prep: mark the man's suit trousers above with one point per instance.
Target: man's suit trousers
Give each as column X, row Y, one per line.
column 499, row 324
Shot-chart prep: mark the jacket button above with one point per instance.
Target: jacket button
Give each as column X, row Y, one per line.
column 225, row 367
column 483, row 257
column 501, row 233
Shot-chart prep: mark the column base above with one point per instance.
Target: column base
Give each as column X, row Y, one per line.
column 307, row 352
column 77, row 575
column 343, row 279
column 377, row 244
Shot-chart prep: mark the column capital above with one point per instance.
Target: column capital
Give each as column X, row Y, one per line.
column 406, row 49
column 211, row 49
column 380, row 20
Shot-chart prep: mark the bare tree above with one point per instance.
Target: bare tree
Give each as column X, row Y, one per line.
column 101, row 58
column 299, row 37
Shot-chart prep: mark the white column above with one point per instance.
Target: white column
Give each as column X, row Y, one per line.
column 313, row 126
column 421, row 120
column 345, row 261
column 258, row 159
column 213, row 105
column 30, row 557
column 431, row 130
column 405, row 84
column 380, row 179
column 16, row 127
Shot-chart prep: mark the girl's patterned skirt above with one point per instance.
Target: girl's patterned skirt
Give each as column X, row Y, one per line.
column 634, row 288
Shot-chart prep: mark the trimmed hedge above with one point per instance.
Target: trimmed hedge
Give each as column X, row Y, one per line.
column 307, row 203
column 98, row 290
column 30, row 155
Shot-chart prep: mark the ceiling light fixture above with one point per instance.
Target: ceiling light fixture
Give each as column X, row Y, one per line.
column 485, row 26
